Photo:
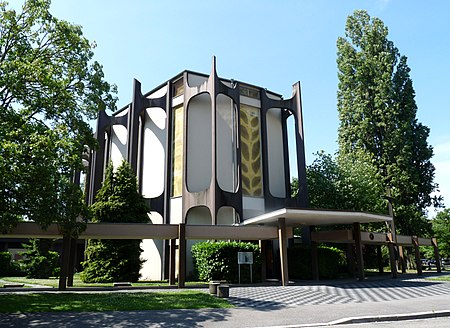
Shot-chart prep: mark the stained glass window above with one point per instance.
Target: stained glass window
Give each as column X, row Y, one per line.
column 251, row 151
column 177, row 152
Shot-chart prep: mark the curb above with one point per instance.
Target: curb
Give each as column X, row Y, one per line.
column 369, row 319
column 392, row 317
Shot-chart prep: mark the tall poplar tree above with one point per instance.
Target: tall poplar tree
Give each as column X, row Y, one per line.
column 377, row 112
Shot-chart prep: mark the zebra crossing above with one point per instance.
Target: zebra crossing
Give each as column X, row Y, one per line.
column 336, row 293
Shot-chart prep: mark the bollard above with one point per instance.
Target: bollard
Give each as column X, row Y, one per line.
column 213, row 287
column 223, row 291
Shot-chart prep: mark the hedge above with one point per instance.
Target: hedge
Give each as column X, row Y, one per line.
column 331, row 262
column 218, row 261
column 8, row 267
column 5, row 263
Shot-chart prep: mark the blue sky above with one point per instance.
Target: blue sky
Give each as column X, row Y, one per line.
column 273, row 44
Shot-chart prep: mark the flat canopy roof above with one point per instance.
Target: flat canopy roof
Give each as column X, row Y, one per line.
column 296, row 216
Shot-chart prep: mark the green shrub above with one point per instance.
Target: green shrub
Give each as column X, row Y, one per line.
column 117, row 201
column 9, row 267
column 40, row 262
column 115, row 260
column 5, row 263
column 330, row 260
column 218, row 261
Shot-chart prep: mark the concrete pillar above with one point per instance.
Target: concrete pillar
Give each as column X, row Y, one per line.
column 380, row 259
column 262, row 246
column 315, row 261
column 283, row 251
column 401, row 262
column 436, row 255
column 172, row 253
column 392, row 262
column 417, row 255
column 314, row 256
column 350, row 259
column 359, row 250
column 181, row 255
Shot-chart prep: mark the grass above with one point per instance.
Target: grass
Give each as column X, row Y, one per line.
column 440, row 278
column 53, row 282
column 115, row 301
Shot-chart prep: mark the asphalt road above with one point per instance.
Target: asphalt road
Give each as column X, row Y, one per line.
column 309, row 305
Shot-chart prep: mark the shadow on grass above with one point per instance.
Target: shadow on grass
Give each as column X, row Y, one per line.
column 154, row 318
column 115, row 301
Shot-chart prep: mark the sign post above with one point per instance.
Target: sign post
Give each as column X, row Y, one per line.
column 245, row 258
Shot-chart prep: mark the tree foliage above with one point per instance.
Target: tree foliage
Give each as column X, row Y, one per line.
column 377, row 112
column 344, row 183
column 331, row 262
column 40, row 261
column 118, row 200
column 49, row 85
column 441, row 230
column 218, row 261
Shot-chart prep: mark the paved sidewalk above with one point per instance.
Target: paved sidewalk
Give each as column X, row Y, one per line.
column 303, row 305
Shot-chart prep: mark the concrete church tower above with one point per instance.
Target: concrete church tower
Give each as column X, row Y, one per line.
column 206, row 150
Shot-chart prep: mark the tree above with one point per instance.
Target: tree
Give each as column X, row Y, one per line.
column 40, row 261
column 441, row 230
column 118, row 200
column 344, row 183
column 377, row 112
column 49, row 85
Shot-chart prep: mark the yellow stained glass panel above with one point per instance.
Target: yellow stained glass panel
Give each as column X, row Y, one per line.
column 177, row 152
column 251, row 151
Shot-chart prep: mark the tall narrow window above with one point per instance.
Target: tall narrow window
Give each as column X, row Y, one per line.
column 177, row 152
column 178, row 88
column 251, row 151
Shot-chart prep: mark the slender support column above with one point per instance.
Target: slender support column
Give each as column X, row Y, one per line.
column 314, row 256
column 64, row 263
column 436, row 255
column 351, row 259
column 401, row 262
column 315, row 261
column 380, row 259
column 181, row 255
column 392, row 262
column 359, row 251
column 283, row 251
column 262, row 246
column 71, row 265
column 172, row 262
column 417, row 255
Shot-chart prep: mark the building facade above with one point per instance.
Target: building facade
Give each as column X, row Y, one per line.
column 206, row 151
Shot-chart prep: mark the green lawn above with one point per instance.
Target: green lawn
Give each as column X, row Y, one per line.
column 115, row 301
column 441, row 278
column 53, row 282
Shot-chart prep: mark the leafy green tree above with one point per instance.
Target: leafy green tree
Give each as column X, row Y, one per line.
column 377, row 112
column 441, row 230
column 323, row 177
column 49, row 85
column 118, row 200
column 344, row 183
column 40, row 261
